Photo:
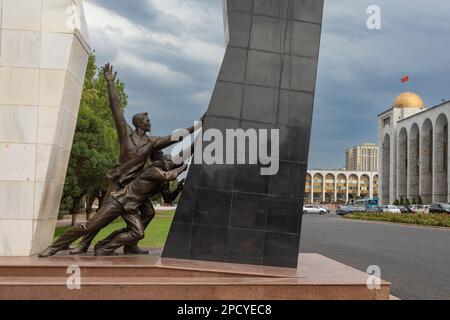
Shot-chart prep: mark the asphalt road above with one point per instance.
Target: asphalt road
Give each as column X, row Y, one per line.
column 415, row 259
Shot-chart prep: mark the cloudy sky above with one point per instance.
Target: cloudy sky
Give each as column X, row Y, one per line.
column 168, row 52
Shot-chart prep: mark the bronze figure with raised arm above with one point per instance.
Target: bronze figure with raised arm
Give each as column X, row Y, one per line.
column 136, row 149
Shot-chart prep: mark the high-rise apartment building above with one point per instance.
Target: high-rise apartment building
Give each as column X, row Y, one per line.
column 362, row 158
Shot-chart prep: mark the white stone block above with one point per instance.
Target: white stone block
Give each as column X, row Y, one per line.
column 19, row 86
column 18, row 124
column 55, row 50
column 20, row 49
column 43, row 231
column 1, row 13
column 57, row 15
column 48, row 116
column 17, row 162
column 66, row 127
column 56, row 126
column 15, row 237
column 82, row 29
column 51, row 163
column 46, row 135
column 72, row 95
column 22, row 14
column 79, row 4
column 17, row 199
column 47, row 124
column 47, row 198
column 78, row 61
column 51, row 87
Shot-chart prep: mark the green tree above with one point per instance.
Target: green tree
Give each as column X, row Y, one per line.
column 407, row 202
column 396, row 202
column 95, row 147
column 419, row 200
column 402, row 201
column 414, row 200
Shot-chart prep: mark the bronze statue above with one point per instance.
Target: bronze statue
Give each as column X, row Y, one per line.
column 163, row 189
column 125, row 203
column 149, row 183
column 136, row 149
column 168, row 196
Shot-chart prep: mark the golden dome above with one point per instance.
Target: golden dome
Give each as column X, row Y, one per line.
column 409, row 100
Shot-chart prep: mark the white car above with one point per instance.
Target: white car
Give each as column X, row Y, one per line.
column 314, row 209
column 416, row 208
column 391, row 209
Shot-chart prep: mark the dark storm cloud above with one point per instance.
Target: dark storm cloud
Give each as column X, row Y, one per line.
column 360, row 70
column 171, row 82
column 169, row 51
column 139, row 11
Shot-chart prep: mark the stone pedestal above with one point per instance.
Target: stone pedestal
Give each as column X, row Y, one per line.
column 152, row 278
column 43, row 59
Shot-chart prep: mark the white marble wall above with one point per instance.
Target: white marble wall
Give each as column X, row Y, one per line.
column 431, row 186
column 43, row 57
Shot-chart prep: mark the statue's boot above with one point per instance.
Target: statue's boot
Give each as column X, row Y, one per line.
column 102, row 253
column 79, row 250
column 97, row 246
column 134, row 249
column 48, row 252
column 85, row 243
column 108, row 239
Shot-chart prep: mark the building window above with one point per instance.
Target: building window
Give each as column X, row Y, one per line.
column 387, row 122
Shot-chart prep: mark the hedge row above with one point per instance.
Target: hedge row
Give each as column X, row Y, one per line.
column 437, row 220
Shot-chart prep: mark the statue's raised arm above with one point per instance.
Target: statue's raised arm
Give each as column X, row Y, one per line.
column 114, row 103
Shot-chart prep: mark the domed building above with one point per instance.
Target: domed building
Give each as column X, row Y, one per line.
column 408, row 100
column 413, row 151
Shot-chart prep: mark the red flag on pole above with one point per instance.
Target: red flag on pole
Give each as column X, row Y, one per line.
column 405, row 79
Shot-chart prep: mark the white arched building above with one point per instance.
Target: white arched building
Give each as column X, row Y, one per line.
column 413, row 151
column 340, row 186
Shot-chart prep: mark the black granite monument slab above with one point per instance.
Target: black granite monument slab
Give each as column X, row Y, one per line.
column 230, row 212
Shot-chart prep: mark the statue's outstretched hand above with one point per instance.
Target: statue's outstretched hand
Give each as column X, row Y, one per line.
column 109, row 73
